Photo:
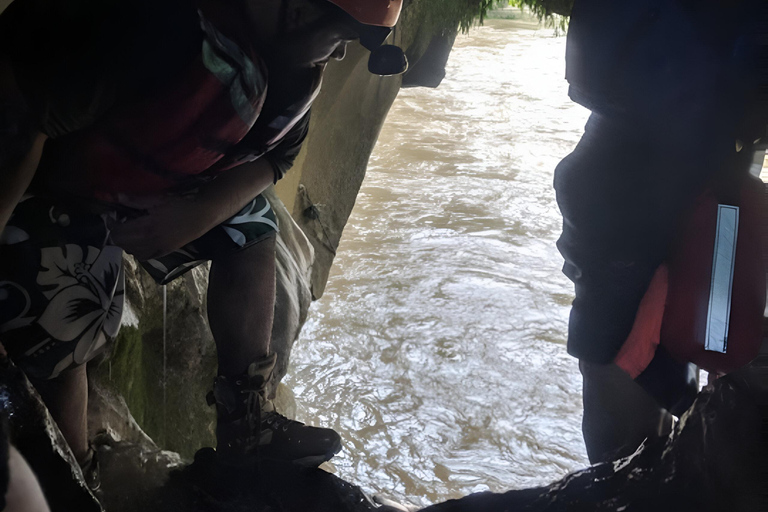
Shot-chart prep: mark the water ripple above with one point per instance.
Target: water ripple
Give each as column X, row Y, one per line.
column 438, row 350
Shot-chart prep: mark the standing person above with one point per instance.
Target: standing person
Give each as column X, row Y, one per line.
column 672, row 86
column 153, row 127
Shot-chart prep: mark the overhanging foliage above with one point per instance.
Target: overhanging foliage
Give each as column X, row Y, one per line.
column 449, row 14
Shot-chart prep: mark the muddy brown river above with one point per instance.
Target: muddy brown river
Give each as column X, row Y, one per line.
column 438, row 350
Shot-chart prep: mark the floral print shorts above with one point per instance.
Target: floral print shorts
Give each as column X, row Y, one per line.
column 61, row 280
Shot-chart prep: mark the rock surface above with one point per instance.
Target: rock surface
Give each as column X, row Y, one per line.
column 714, row 461
column 429, row 69
column 137, row 476
column 139, row 479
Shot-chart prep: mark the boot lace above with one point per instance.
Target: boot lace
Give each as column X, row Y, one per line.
column 277, row 421
column 252, row 414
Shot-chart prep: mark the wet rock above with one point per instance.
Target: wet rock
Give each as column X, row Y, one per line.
column 429, row 69
column 713, row 461
column 108, row 413
column 160, row 370
column 138, row 478
column 38, row 439
column 131, row 473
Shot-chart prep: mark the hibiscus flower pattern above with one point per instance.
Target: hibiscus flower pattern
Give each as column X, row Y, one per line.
column 84, row 286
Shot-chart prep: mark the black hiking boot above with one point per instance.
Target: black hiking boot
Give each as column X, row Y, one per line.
column 249, row 429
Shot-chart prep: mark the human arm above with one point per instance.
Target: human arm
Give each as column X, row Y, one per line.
column 171, row 222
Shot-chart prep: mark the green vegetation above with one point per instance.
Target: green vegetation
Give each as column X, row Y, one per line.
column 545, row 9
column 464, row 13
column 504, row 14
column 445, row 15
column 425, row 21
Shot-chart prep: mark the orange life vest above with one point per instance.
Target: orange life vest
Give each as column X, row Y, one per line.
column 706, row 306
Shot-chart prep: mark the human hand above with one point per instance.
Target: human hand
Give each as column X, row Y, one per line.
column 169, row 223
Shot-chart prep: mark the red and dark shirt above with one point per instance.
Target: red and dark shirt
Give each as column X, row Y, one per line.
column 146, row 97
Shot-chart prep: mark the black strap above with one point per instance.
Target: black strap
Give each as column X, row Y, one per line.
column 727, row 184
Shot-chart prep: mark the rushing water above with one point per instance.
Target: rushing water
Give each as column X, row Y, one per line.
column 438, row 350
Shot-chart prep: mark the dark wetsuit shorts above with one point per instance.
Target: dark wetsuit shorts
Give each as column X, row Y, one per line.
column 61, row 280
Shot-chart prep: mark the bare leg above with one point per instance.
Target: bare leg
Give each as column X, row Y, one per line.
column 66, row 397
column 241, row 304
column 618, row 413
column 241, row 301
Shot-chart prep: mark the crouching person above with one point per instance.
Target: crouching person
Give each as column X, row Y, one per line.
column 154, row 131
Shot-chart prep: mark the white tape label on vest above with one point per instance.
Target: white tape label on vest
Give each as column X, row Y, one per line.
column 721, row 286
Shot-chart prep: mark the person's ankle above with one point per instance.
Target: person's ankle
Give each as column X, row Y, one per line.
column 83, row 455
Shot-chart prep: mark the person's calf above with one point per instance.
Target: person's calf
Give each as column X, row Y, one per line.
column 66, row 398
column 618, row 414
column 241, row 303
